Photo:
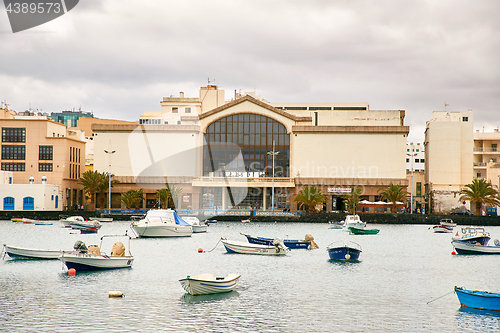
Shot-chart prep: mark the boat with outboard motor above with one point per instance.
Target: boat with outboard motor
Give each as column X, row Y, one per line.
column 344, row 251
column 162, row 223
column 353, row 221
column 196, row 224
column 92, row 258
column 290, row 243
column 277, row 247
column 16, row 252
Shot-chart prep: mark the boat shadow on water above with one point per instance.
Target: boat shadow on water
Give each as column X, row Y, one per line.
column 480, row 320
column 190, row 299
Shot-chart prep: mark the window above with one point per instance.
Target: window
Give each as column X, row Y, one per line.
column 493, row 147
column 45, row 153
column 422, row 160
column 45, row 167
column 13, row 166
column 407, row 160
column 13, row 152
column 175, row 110
column 187, row 110
column 407, row 149
column 465, row 118
column 417, row 160
column 417, row 150
column 419, row 189
column 13, row 134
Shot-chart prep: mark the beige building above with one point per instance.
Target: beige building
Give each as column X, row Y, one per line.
column 448, row 158
column 36, row 149
column 415, row 170
column 219, row 151
column 487, row 156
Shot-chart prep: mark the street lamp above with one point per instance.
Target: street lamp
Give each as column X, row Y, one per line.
column 273, row 153
column 411, row 185
column 109, row 175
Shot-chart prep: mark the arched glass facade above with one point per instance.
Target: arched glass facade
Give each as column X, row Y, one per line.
column 253, row 136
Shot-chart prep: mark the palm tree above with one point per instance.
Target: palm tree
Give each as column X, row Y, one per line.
column 91, row 181
column 132, row 198
column 480, row 192
column 310, row 196
column 393, row 194
column 168, row 196
column 104, row 187
column 352, row 199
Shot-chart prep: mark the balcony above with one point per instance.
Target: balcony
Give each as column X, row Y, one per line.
column 479, row 150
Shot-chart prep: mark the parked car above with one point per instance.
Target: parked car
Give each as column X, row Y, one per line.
column 461, row 212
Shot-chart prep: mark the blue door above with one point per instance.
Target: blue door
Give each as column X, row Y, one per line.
column 28, row 203
column 8, row 203
column 57, row 201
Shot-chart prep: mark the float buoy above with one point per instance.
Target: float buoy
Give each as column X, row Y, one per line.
column 228, row 225
column 453, row 253
column 115, row 293
column 200, row 250
column 347, row 256
column 72, row 272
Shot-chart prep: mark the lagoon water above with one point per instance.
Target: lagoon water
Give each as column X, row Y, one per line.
column 401, row 269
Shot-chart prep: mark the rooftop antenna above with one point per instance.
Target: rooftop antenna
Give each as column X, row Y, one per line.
column 208, row 80
column 445, row 105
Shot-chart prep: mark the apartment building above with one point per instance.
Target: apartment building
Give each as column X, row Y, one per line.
column 487, row 156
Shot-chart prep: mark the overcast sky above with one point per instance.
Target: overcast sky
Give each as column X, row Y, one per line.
column 119, row 58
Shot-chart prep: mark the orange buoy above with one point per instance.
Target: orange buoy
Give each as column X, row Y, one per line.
column 72, row 272
column 200, row 250
column 228, row 225
column 453, row 253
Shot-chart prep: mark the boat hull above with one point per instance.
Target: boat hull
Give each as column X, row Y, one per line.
column 468, row 248
column 86, row 262
column 199, row 228
column 478, row 299
column 249, row 248
column 25, row 253
column 341, row 251
column 442, row 229
column 162, row 230
column 204, row 286
column 290, row 243
column 362, row 231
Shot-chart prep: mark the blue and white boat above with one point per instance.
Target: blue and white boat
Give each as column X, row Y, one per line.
column 472, row 235
column 290, row 243
column 470, row 248
column 478, row 299
column 344, row 251
column 162, row 223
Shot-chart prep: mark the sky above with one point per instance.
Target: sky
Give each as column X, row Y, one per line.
column 119, row 58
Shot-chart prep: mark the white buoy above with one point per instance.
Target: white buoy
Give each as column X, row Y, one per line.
column 115, row 293
column 348, row 256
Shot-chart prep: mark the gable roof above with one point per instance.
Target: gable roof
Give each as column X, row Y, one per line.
column 250, row 99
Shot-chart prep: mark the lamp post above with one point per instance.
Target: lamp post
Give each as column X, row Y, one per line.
column 411, row 181
column 273, row 153
column 109, row 175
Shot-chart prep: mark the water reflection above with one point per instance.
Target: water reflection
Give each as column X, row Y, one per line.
column 190, row 299
column 475, row 320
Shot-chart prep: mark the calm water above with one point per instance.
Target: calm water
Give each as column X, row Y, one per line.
column 402, row 268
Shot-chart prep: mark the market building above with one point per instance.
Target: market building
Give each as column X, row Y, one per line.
column 233, row 154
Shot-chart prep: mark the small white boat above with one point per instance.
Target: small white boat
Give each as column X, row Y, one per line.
column 93, row 259
column 442, row 229
column 162, row 223
column 23, row 220
column 473, row 235
column 26, row 253
column 196, row 224
column 43, row 223
column 102, row 219
column 278, row 247
column 246, row 221
column 447, row 222
column 353, row 221
column 71, row 219
column 205, row 284
column 78, row 224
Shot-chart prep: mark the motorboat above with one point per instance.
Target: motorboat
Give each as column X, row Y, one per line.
column 43, row 223
column 473, row 235
column 162, row 223
column 246, row 221
column 210, row 221
column 445, row 226
column 442, row 229
column 277, row 248
column 205, row 284
column 336, row 225
column 196, row 224
column 447, row 222
column 344, row 251
column 102, row 219
column 353, row 221
column 24, row 220
column 290, row 243
column 27, row 253
column 478, row 299
column 363, row 231
column 471, row 248
column 78, row 222
column 92, row 258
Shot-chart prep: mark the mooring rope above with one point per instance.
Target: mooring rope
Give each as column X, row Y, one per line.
column 214, row 246
column 441, row 296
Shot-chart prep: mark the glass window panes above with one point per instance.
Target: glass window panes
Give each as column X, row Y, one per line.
column 13, row 134
column 13, row 152
column 45, row 153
